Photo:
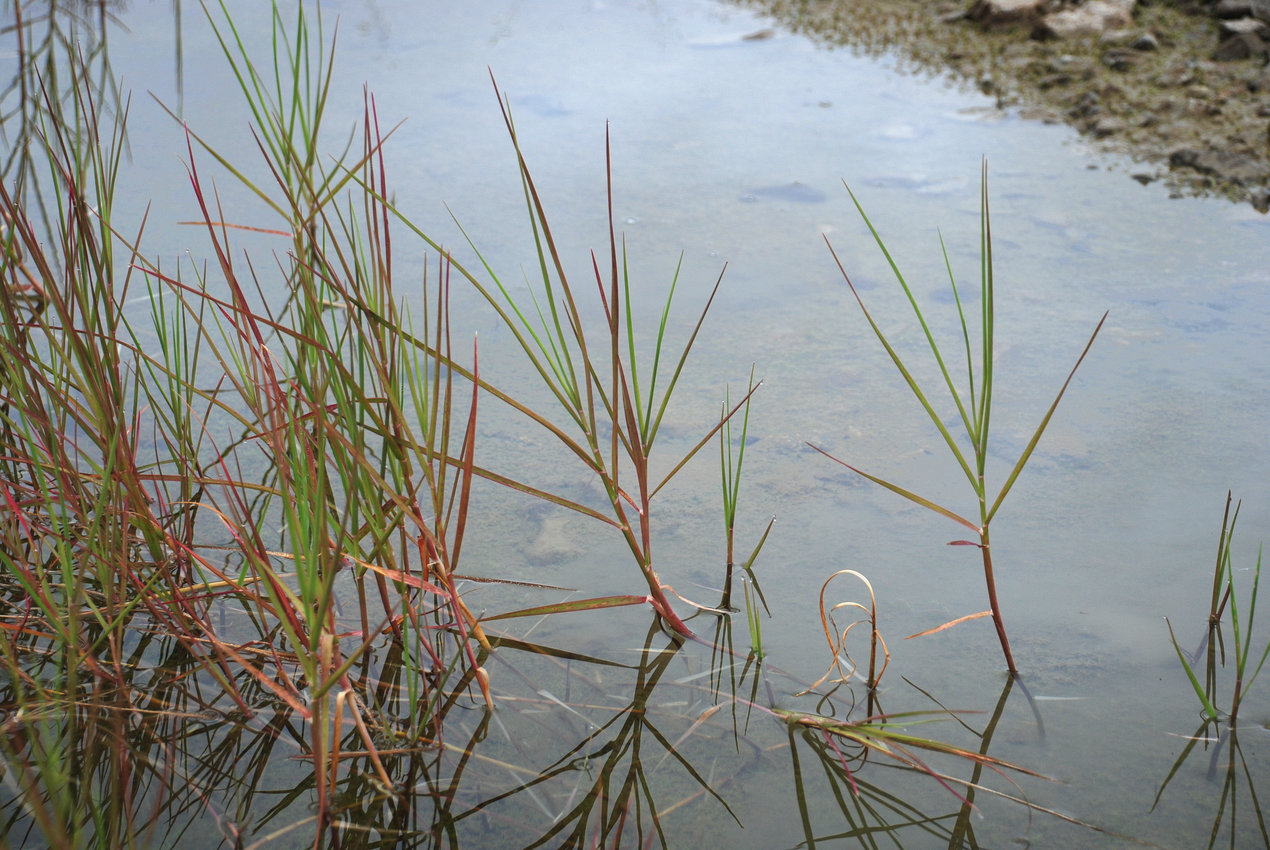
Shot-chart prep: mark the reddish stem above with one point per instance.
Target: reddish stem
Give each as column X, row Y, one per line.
column 992, row 600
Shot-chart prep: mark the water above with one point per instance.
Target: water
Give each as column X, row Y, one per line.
column 734, row 150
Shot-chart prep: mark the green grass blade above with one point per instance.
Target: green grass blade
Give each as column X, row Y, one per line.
column 702, row 442
column 674, row 378
column 917, row 312
column 971, row 419
column 1190, row 674
column 912, row 497
column 987, row 296
column 1040, row 429
column 913, row 386
column 1252, row 604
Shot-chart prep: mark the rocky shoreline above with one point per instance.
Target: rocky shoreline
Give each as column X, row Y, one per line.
column 1182, row 86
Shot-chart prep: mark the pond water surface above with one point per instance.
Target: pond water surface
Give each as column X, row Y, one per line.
column 734, row 150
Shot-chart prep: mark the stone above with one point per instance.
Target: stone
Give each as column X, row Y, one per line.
column 1085, row 106
column 1260, row 199
column 1232, row 9
column 1239, row 26
column 1237, row 167
column 1145, row 42
column 1089, row 19
column 1175, row 75
column 1116, row 38
column 1120, row 58
column 1243, row 46
column 1104, row 127
column 1005, row 13
column 555, row 543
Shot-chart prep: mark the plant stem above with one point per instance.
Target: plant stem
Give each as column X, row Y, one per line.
column 988, row 577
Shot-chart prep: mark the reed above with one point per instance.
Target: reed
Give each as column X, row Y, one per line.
column 973, row 404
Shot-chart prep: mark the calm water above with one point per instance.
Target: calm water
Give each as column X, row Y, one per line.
column 734, row 151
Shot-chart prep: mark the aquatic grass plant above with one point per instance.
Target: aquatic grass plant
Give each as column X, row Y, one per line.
column 153, row 759
column 346, row 481
column 963, row 831
column 844, row 747
column 87, row 544
column 1218, row 729
column 725, row 680
column 614, row 401
column 1238, row 822
column 731, row 462
column 973, row 403
column 368, row 457
column 612, row 765
column 845, row 744
column 608, row 786
column 1212, row 647
column 753, row 619
column 83, row 530
column 253, row 476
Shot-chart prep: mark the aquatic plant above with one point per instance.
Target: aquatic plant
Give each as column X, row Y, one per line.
column 753, row 619
column 349, row 435
column 1219, row 729
column 233, row 526
column 1212, row 647
column 731, row 462
column 836, row 637
column 612, row 419
column 973, row 403
column 305, row 454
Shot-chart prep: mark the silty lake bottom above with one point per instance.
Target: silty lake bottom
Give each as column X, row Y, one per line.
column 608, row 730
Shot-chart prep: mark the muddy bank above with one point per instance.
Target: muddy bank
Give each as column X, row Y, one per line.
column 1166, row 86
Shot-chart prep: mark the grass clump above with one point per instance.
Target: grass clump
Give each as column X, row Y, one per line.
column 1213, row 647
column 1218, row 730
column 281, row 487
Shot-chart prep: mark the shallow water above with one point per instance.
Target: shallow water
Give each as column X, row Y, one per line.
column 734, row 150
